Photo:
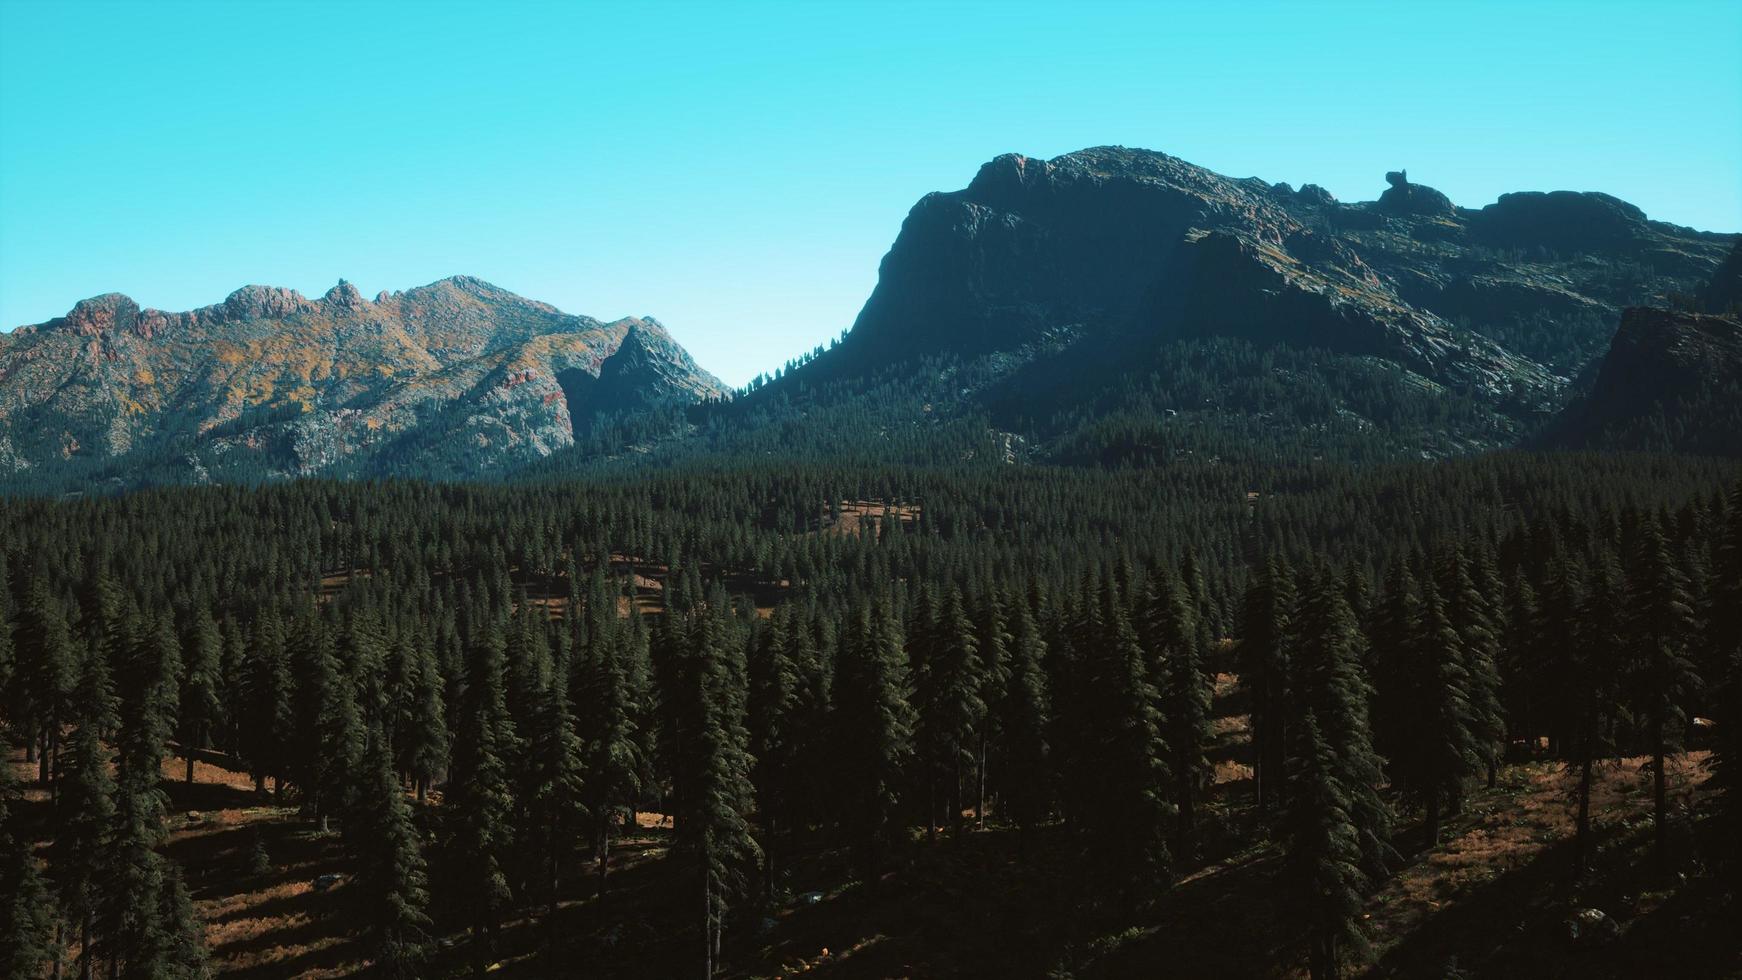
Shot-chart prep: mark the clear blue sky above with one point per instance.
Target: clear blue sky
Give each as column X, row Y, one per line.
column 739, row 170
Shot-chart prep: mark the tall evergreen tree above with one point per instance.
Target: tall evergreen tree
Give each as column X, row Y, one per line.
column 714, row 786
column 1023, row 717
column 478, row 809
column 1324, row 852
column 1263, row 657
column 1660, row 625
column 85, row 812
column 200, row 707
column 1183, row 686
column 391, row 892
column 874, row 730
column 949, row 705
column 1127, row 826
column 27, row 944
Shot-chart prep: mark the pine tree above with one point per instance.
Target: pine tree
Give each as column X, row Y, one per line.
column 714, row 785
column 267, row 722
column 424, row 736
column 1176, row 661
column 1436, row 749
column 948, row 699
column 1471, row 610
column 557, row 804
column 1263, row 657
column 1660, row 625
column 1023, row 718
column 85, row 812
column 874, row 730
column 1127, row 825
column 391, row 886
column 1331, row 682
column 479, row 806
column 201, row 687
column 26, row 919
column 1724, row 631
column 773, row 703
column 613, row 750
column 1585, row 674
column 1324, row 851
column 993, row 660
column 43, row 674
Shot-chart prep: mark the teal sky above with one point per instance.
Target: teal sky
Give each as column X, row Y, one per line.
column 737, row 170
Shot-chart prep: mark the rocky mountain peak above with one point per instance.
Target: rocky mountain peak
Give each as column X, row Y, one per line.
column 345, row 296
column 1403, row 197
column 262, row 303
column 102, row 314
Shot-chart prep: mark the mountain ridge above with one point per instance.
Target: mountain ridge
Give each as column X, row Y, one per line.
column 269, row 383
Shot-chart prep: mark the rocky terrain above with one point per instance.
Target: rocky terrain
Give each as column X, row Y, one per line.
column 455, row 378
column 1107, row 305
column 1094, row 264
column 1671, row 380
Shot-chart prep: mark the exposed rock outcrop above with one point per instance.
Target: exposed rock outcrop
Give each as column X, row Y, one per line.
column 451, row 379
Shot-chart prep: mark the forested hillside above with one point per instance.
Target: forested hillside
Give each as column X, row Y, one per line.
column 751, row 719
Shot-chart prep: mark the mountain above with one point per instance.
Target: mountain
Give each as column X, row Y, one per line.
column 1209, row 311
column 456, row 378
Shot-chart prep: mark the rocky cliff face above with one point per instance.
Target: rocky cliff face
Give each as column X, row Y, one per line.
column 455, row 378
column 1672, row 380
column 1131, row 250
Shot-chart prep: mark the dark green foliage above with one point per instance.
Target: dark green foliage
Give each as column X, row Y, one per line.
column 391, row 890
column 1324, row 851
column 1128, row 820
column 26, row 914
column 1183, row 686
column 1264, row 667
column 478, row 810
column 873, row 729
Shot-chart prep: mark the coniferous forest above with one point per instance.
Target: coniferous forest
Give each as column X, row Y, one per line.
column 753, row 719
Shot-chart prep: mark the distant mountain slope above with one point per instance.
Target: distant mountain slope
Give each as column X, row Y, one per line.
column 456, row 378
column 1112, row 281
column 1671, row 381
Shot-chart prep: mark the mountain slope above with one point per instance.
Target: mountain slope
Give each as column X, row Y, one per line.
column 1109, row 283
column 1672, row 380
column 455, row 378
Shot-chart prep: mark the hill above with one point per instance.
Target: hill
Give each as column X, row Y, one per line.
column 456, row 378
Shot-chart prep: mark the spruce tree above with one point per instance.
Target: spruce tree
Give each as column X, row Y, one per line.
column 200, row 707
column 1660, row 625
column 85, row 813
column 1331, row 683
column 478, row 809
column 1128, row 820
column 1324, row 851
column 557, row 805
column 27, row 943
column 949, row 705
column 1183, row 686
column 1263, row 658
column 714, row 784
column 874, row 730
column 391, row 891
column 1023, row 717
column 773, row 704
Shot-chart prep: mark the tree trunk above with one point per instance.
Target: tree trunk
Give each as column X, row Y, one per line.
column 707, row 925
column 1582, row 839
column 190, row 773
column 604, row 848
column 980, row 810
column 85, row 943
column 1660, row 832
column 956, row 798
column 1433, row 818
column 931, row 807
